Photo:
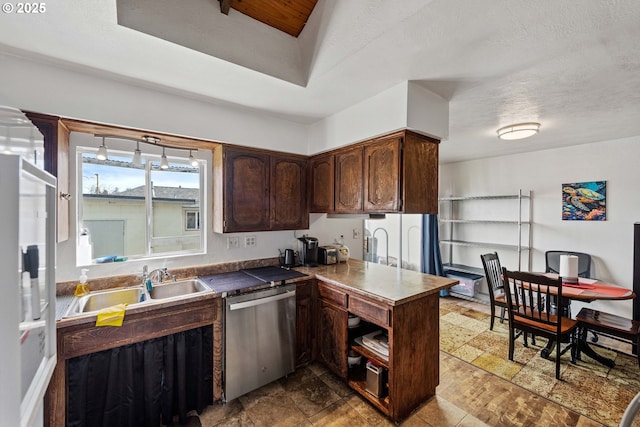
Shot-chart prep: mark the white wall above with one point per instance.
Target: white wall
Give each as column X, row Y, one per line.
column 405, row 105
column 609, row 242
column 90, row 96
column 328, row 230
column 55, row 90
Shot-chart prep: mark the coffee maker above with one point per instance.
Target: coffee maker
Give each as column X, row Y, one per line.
column 308, row 251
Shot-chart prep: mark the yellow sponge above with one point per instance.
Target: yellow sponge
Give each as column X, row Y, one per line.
column 81, row 289
column 111, row 316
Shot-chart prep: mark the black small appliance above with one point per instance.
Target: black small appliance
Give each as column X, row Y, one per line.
column 308, row 251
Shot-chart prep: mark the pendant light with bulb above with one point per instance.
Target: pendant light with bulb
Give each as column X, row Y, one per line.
column 192, row 160
column 164, row 163
column 102, row 151
column 137, row 155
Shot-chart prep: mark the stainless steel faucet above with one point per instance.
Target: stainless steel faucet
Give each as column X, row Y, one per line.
column 161, row 273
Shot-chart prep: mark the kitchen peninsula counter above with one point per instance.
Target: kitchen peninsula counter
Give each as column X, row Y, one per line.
column 401, row 308
column 402, row 302
column 389, row 285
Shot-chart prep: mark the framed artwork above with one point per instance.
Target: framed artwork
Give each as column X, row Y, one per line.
column 584, row 201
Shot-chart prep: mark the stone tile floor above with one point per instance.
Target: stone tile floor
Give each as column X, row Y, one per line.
column 312, row 396
column 467, row 396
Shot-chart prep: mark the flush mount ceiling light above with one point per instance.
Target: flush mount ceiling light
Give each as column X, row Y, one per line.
column 518, row 131
column 164, row 164
column 102, row 151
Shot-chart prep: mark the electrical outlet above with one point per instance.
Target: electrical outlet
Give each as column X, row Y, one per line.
column 249, row 241
column 233, row 242
column 356, row 233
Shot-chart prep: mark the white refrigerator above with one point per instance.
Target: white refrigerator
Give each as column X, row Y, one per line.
column 394, row 240
column 27, row 269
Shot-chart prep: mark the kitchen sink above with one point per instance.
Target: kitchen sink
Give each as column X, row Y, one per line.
column 179, row 288
column 98, row 300
column 95, row 301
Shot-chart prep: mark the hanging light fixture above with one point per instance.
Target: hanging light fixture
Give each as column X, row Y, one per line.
column 518, row 131
column 137, row 155
column 164, row 164
column 193, row 160
column 102, row 151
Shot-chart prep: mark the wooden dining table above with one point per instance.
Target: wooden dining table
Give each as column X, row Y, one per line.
column 588, row 290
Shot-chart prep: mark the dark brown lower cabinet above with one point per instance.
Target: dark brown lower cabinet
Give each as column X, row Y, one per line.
column 411, row 370
column 304, row 322
column 80, row 337
column 332, row 337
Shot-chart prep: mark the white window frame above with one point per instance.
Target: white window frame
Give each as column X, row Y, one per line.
column 196, row 213
column 150, row 159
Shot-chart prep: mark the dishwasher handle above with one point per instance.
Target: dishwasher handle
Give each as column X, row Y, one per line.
column 260, row 301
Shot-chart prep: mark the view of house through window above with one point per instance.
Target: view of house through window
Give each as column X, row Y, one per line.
column 140, row 211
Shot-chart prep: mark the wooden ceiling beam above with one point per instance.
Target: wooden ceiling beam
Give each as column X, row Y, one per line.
column 225, row 5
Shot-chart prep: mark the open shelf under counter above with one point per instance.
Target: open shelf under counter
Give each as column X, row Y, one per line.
column 406, row 307
column 368, row 354
column 358, row 381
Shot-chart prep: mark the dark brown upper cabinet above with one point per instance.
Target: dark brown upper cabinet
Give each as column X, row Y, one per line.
column 257, row 190
column 348, row 183
column 288, row 193
column 381, row 176
column 397, row 172
column 321, row 179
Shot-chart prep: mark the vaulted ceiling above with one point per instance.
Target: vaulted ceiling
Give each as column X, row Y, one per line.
column 288, row 16
column 572, row 66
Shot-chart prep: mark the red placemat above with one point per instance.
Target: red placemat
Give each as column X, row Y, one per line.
column 613, row 291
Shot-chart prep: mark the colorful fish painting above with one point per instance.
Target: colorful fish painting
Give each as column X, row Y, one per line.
column 584, row 201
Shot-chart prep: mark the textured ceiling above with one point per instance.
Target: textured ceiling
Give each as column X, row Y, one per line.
column 572, row 66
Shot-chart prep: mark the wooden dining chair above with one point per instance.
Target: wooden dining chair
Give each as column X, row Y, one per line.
column 530, row 311
column 497, row 297
column 552, row 265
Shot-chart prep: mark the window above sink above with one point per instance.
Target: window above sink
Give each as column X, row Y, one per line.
column 134, row 210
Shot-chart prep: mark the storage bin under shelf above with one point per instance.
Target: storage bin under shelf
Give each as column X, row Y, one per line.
column 358, row 381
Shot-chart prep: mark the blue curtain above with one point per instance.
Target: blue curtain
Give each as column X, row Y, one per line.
column 431, row 262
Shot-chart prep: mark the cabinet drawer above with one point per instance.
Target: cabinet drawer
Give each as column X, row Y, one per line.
column 333, row 295
column 378, row 314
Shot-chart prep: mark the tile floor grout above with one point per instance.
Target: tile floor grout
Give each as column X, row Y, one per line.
column 313, row 396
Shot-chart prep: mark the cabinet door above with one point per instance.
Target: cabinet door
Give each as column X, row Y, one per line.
column 321, row 175
column 382, row 176
column 420, row 174
column 348, row 197
column 304, row 322
column 333, row 337
column 288, row 193
column 56, row 162
column 246, row 190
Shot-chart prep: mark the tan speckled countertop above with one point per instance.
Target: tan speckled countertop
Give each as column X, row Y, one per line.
column 390, row 285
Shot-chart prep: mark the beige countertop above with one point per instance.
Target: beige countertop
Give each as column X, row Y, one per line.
column 390, row 285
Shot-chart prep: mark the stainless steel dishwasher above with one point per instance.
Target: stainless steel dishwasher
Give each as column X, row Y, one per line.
column 259, row 339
